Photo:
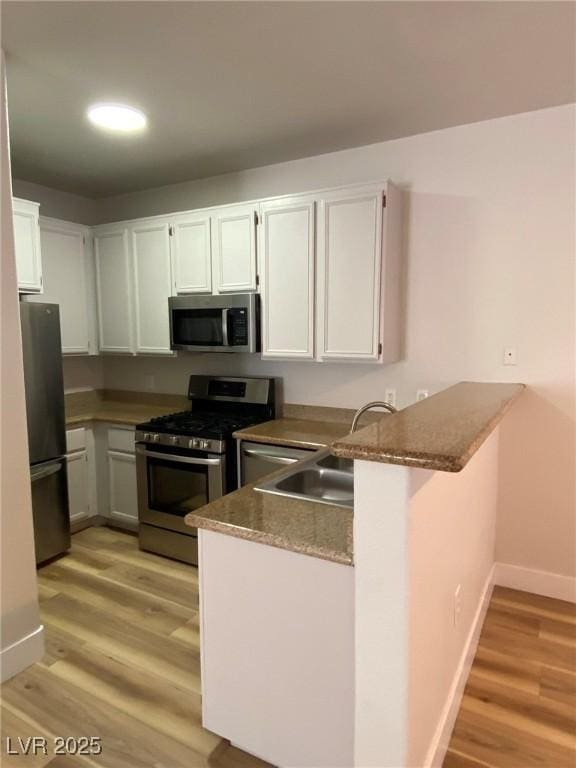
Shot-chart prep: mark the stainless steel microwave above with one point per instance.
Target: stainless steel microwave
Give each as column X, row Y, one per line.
column 224, row 323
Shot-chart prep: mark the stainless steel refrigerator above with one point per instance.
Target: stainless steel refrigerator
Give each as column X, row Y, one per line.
column 44, row 387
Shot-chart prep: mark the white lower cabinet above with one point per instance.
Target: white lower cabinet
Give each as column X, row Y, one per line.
column 123, row 498
column 80, row 467
column 78, row 491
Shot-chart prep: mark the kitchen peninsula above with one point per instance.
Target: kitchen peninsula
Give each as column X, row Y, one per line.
column 276, row 575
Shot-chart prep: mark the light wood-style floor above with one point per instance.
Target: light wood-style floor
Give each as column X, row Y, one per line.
column 519, row 706
column 122, row 662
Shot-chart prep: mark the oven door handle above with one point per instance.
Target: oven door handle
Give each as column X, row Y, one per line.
column 178, row 459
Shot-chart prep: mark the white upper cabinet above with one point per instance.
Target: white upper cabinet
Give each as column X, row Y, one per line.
column 329, row 262
column 67, row 282
column 286, row 254
column 114, row 284
column 27, row 245
column 150, row 246
column 234, row 248
column 349, row 272
column 192, row 253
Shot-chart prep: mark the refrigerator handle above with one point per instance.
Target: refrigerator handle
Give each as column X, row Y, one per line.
column 39, row 473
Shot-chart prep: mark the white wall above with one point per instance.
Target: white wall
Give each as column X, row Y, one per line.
column 451, row 538
column 418, row 534
column 21, row 634
column 490, row 263
column 57, row 204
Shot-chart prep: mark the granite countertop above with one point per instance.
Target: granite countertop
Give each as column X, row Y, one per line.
column 440, row 433
column 306, row 527
column 119, row 406
column 295, row 432
column 118, row 413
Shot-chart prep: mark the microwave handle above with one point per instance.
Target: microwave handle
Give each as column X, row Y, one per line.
column 224, row 327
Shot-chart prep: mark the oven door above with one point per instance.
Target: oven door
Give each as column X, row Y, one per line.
column 172, row 485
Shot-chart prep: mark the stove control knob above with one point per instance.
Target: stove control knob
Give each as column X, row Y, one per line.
column 174, row 440
column 147, row 437
column 155, row 437
column 191, row 443
column 204, row 443
column 197, row 443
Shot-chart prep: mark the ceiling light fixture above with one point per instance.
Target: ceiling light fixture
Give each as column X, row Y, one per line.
column 117, row 117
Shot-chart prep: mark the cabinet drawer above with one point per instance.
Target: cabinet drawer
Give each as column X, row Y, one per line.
column 75, row 439
column 121, row 440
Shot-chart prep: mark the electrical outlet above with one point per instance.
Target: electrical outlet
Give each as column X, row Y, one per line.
column 509, row 356
column 390, row 397
column 457, row 605
column 421, row 394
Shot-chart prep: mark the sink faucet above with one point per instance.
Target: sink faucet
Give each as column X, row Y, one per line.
column 367, row 407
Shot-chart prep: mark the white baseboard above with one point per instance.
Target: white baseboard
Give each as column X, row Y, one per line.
column 537, row 582
column 22, row 654
column 441, row 740
column 95, row 521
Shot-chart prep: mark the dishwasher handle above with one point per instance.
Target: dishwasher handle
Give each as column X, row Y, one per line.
column 272, row 458
column 256, row 460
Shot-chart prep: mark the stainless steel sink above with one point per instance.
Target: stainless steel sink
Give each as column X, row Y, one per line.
column 323, row 478
column 335, row 462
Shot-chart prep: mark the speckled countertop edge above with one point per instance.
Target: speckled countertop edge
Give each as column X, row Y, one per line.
column 271, row 540
column 440, row 433
column 240, row 505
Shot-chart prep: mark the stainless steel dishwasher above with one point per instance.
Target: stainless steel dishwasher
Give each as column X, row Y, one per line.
column 256, row 460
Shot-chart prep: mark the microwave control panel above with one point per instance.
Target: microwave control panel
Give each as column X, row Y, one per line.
column 238, row 326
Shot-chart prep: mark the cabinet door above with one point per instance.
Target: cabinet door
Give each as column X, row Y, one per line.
column 286, row 248
column 349, row 264
column 234, row 248
column 114, row 291
column 65, row 282
column 78, row 486
column 123, row 496
column 192, row 254
column 27, row 245
column 152, row 286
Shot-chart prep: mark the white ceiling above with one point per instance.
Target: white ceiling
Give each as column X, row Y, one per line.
column 229, row 86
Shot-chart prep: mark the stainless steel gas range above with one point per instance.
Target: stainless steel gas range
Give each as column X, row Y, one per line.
column 188, row 459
